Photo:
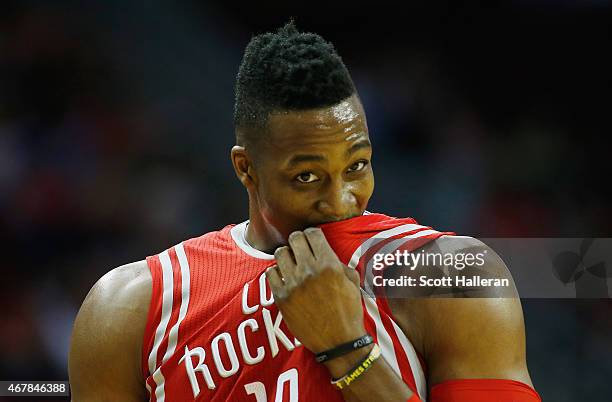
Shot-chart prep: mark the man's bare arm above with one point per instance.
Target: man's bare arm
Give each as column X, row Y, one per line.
column 105, row 350
column 469, row 338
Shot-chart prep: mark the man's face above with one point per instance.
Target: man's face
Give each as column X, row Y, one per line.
column 314, row 167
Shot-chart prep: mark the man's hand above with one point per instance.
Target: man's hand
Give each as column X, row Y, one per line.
column 320, row 300
column 317, row 294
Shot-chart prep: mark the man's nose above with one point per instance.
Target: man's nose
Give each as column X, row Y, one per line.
column 339, row 201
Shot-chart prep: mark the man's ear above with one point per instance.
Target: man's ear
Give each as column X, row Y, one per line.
column 243, row 166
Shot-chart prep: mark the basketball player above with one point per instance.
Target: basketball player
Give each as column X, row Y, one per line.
column 271, row 309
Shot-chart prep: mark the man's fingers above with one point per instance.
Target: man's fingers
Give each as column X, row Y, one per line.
column 276, row 282
column 274, row 277
column 300, row 247
column 286, row 265
column 319, row 245
column 353, row 275
column 284, row 256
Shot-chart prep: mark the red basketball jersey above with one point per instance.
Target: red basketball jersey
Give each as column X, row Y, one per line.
column 214, row 333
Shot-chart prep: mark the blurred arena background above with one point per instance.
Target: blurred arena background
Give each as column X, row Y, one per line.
column 116, row 125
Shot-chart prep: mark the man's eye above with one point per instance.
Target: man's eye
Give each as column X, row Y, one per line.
column 306, row 178
column 358, row 166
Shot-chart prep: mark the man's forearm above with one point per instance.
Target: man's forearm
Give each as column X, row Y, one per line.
column 378, row 383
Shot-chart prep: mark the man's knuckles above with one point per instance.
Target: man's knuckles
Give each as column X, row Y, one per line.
column 296, row 236
column 277, row 253
column 313, row 232
column 282, row 254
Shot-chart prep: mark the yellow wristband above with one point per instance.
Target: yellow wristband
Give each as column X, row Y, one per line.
column 352, row 375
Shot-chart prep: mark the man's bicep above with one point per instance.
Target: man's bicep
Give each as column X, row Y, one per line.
column 484, row 338
column 104, row 362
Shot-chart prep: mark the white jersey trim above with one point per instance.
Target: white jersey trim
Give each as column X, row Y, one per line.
column 167, row 306
column 374, row 240
column 167, row 296
column 160, row 392
column 238, row 233
column 383, row 337
column 185, row 284
column 413, row 359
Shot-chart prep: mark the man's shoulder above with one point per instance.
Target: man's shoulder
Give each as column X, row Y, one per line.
column 476, row 330
column 484, row 260
column 131, row 281
column 108, row 332
column 456, row 244
column 119, row 297
column 479, row 330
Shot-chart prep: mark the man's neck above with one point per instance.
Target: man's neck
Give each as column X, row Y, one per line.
column 262, row 236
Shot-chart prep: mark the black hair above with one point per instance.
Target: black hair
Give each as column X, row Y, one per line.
column 285, row 71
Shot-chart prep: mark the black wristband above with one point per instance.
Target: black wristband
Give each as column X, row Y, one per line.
column 344, row 349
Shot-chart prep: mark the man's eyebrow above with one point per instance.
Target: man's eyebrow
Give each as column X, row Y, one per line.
column 301, row 158
column 365, row 143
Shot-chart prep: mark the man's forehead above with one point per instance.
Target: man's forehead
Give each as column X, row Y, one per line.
column 346, row 117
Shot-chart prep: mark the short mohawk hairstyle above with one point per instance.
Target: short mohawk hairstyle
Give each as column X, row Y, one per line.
column 288, row 70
